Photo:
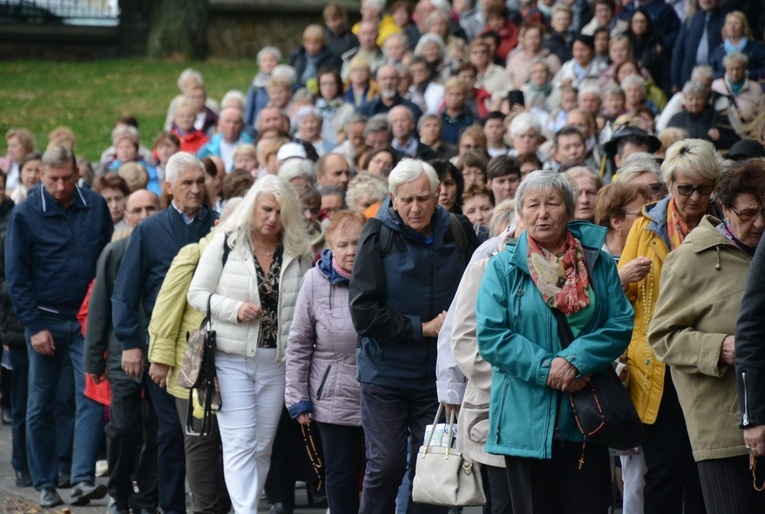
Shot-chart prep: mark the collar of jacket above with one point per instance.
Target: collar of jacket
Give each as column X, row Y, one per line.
column 592, row 237
column 327, row 270
column 47, row 200
column 439, row 223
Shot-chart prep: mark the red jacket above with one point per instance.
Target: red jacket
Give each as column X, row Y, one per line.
column 508, row 39
column 192, row 141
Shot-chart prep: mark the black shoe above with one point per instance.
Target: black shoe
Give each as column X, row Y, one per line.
column 115, row 508
column 23, row 479
column 64, row 480
column 83, row 492
column 49, row 498
column 6, row 414
column 281, row 508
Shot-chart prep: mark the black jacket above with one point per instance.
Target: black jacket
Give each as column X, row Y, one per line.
column 299, row 60
column 11, row 331
column 750, row 350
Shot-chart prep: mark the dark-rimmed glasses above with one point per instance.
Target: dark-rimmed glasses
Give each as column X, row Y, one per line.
column 703, row 190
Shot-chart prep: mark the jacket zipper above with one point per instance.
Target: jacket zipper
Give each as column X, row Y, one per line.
column 518, row 295
column 745, row 419
column 502, row 406
column 323, row 381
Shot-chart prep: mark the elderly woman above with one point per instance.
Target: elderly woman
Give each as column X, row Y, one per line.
column 321, row 363
column 530, row 48
column 692, row 332
column 743, row 93
column 691, row 170
column 737, row 37
column 257, row 97
column 701, row 120
column 433, row 49
column 364, row 191
column 554, row 265
column 252, row 300
column 586, row 184
column 525, row 134
column 635, row 94
column 309, row 122
column 643, row 173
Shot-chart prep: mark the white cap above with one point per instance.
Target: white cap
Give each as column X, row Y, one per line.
column 290, row 151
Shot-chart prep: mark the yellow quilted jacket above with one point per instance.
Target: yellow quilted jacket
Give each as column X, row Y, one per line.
column 173, row 317
column 646, row 382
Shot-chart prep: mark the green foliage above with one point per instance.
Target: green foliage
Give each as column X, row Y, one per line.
column 178, row 27
column 87, row 97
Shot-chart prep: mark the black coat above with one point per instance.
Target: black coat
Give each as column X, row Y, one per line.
column 11, row 331
column 299, row 61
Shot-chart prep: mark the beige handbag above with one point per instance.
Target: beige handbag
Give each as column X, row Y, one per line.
column 443, row 476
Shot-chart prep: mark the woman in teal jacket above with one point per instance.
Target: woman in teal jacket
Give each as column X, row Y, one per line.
column 556, row 263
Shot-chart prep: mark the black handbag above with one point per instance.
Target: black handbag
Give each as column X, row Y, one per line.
column 603, row 410
column 206, row 385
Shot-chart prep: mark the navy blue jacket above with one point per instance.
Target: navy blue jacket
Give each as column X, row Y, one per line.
column 153, row 245
column 452, row 127
column 663, row 16
column 51, row 253
column 684, row 53
column 377, row 106
column 391, row 295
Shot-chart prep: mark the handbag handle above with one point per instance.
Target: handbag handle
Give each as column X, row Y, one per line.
column 208, row 319
column 452, row 418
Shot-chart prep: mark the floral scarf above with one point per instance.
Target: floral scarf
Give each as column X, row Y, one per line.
column 561, row 277
column 677, row 228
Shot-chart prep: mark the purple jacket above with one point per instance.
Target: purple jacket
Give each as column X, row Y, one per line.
column 321, row 352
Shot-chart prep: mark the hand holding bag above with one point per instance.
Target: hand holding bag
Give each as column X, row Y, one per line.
column 443, row 476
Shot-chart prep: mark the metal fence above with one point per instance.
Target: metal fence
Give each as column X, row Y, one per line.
column 60, row 12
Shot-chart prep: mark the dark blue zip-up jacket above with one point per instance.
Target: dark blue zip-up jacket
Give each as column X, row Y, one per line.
column 391, row 296
column 153, row 245
column 51, row 253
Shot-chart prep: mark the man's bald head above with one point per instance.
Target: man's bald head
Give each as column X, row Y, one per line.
column 140, row 205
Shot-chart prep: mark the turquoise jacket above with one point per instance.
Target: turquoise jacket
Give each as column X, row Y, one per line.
column 517, row 334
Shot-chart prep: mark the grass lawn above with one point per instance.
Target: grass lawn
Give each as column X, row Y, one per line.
column 87, row 97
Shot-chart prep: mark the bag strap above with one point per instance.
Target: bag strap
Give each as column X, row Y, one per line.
column 435, row 422
column 565, row 333
column 458, row 231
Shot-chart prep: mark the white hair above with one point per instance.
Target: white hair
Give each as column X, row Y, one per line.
column 378, row 5
column 241, row 224
column 630, row 80
column 738, row 57
column 523, row 123
column 545, row 180
column 296, row 168
column 181, row 161
column 270, row 50
column 285, row 72
column 190, row 73
column 411, row 169
column 234, row 94
column 427, row 39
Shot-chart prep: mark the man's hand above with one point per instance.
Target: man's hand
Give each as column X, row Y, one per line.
column 728, row 351
column 132, row 363
column 42, row 343
column 97, row 377
column 754, row 439
column 158, row 373
column 562, row 374
column 433, row 327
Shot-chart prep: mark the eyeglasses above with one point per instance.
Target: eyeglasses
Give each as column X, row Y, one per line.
column 656, row 188
column 747, row 216
column 703, row 190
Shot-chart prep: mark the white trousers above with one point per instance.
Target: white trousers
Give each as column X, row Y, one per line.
column 633, row 474
column 252, row 396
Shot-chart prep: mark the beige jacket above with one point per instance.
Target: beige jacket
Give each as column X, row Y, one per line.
column 702, row 284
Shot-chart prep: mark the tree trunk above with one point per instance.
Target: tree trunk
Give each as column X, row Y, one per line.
column 178, row 27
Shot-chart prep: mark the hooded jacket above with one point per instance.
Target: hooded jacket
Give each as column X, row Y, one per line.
column 393, row 292
column 702, row 283
column 517, row 334
column 321, row 353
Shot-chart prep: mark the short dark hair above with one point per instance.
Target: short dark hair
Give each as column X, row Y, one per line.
column 111, row 181
column 745, row 177
column 568, row 130
column 501, row 166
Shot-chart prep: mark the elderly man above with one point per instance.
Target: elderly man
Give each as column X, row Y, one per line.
column 153, row 245
column 132, row 420
column 405, row 141
column 413, row 255
column 54, row 239
column 333, row 170
column 377, row 132
column 230, row 135
column 368, row 34
column 698, row 38
column 269, row 116
column 387, row 80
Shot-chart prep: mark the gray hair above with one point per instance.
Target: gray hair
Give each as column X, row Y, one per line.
column 428, row 117
column 611, row 89
column 241, row 224
column 738, row 57
column 502, row 216
column 365, row 186
column 58, row 157
column 308, row 110
column 181, row 161
column 539, row 60
column 702, row 72
column 401, row 37
column 695, row 157
column 438, row 13
column 296, row 168
column 270, row 50
column 634, row 80
column 644, row 159
column 378, row 5
column 285, row 72
column 523, row 123
column 630, row 172
column 429, row 38
column 355, row 118
column 588, row 90
column 190, row 73
column 377, row 123
column 233, row 94
column 695, row 87
column 411, row 169
column 545, row 180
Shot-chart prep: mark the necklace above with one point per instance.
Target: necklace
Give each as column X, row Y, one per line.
column 647, row 300
column 266, row 253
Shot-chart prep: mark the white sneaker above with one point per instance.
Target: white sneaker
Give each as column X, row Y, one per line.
column 102, row 468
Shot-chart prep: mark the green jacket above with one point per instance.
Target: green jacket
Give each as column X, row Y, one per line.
column 702, row 284
column 517, row 334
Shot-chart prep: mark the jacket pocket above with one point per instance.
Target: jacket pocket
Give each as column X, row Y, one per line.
column 477, row 422
column 323, row 382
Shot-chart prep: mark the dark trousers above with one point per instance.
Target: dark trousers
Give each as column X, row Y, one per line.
column 170, row 452
column 497, row 491
column 672, row 480
column 557, row 485
column 132, row 444
column 204, row 468
column 727, row 486
column 287, row 458
column 388, row 416
column 343, row 460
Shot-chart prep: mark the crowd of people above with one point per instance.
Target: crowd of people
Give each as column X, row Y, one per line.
column 470, row 205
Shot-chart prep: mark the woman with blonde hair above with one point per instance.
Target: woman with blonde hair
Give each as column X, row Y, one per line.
column 737, row 37
column 248, row 279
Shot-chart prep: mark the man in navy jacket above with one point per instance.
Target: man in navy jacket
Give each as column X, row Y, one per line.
column 153, row 245
column 54, row 239
column 698, row 38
